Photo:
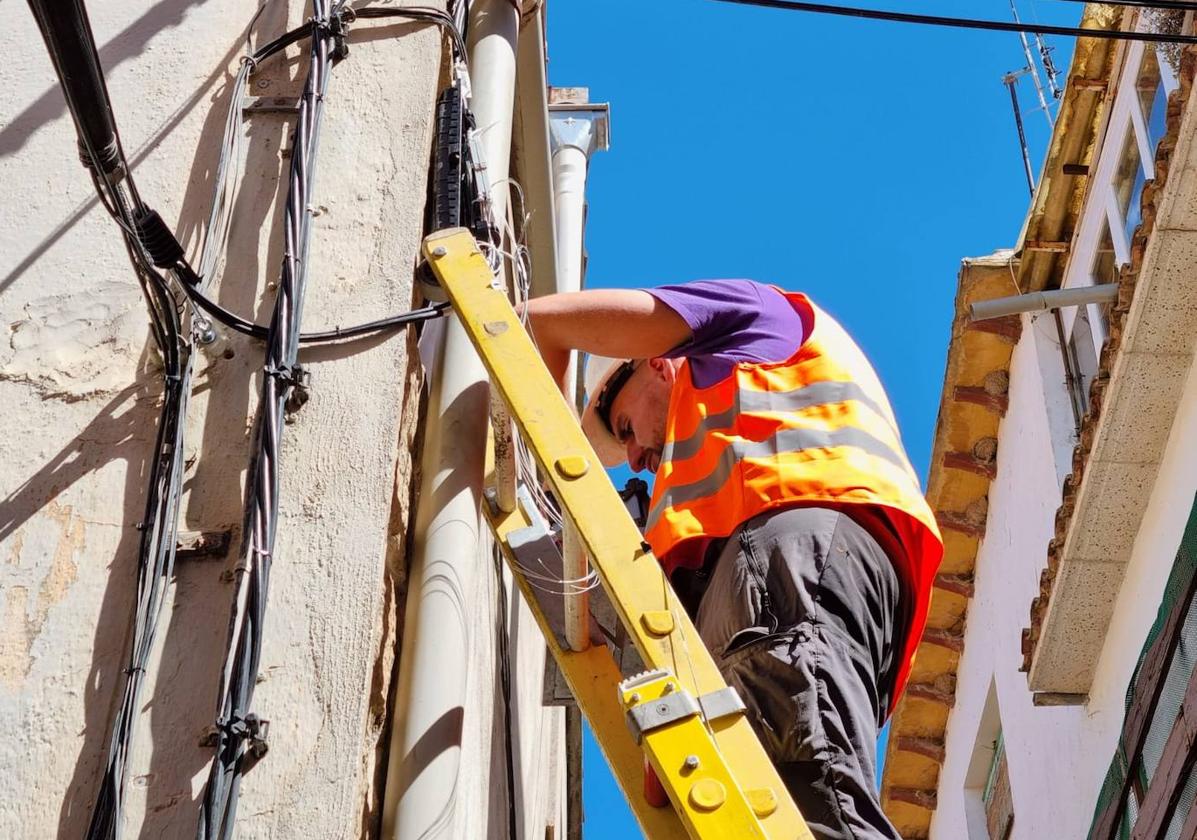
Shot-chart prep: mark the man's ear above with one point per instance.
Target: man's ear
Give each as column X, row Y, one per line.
column 662, row 368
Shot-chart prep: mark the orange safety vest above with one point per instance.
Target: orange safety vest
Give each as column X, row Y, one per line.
column 815, row 429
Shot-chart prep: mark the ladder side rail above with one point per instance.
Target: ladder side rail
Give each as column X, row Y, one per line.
column 626, row 567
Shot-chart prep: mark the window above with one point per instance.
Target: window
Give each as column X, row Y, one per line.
column 988, row 806
column 1112, row 212
column 1128, row 182
column 1161, row 687
column 1103, row 271
column 999, row 804
column 1153, row 97
column 1105, row 263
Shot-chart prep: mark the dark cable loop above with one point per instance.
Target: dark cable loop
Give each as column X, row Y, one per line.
column 241, row 325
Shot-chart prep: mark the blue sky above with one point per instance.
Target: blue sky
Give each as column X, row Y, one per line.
column 855, row 161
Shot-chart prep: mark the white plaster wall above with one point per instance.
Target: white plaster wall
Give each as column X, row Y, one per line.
column 78, row 400
column 1049, row 775
column 1058, row 756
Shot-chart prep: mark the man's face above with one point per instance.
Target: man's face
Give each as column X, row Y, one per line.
column 639, row 412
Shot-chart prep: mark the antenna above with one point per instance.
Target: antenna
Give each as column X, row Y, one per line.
column 1049, row 66
column 1032, row 70
column 1009, row 80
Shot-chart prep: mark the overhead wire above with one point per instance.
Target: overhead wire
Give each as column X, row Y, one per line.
column 1166, row 5
column 964, row 23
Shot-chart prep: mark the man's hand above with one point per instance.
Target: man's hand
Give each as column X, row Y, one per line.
column 620, row 323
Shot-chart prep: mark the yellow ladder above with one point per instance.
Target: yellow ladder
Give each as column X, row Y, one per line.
column 680, row 713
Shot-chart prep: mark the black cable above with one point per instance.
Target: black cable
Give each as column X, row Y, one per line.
column 67, row 33
column 239, row 734
column 241, row 325
column 424, row 13
column 965, row 23
column 72, row 49
column 71, row 45
column 191, row 283
column 150, row 246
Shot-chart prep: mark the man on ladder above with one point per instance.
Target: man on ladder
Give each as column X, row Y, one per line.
column 785, row 511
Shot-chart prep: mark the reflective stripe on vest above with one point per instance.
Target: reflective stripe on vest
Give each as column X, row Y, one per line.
column 816, row 427
column 758, row 402
column 785, row 441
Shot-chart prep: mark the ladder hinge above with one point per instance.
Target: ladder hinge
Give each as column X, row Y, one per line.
column 644, row 716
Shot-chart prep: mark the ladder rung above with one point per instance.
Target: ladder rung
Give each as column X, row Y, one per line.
column 718, row 776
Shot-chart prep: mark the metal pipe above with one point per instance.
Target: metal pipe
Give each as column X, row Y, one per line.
column 1036, row 301
column 575, row 132
column 534, row 156
column 1008, row 80
column 430, row 695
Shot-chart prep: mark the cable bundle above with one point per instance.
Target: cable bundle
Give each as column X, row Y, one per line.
column 238, row 733
column 173, row 290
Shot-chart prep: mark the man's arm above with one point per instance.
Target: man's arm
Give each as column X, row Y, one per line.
column 621, row 323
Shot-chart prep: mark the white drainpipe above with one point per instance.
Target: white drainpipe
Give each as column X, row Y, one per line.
column 983, row 310
column 575, row 132
column 430, row 696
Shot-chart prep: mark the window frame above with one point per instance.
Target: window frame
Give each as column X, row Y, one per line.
column 1126, row 119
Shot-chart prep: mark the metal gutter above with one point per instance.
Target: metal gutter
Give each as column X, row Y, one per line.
column 531, row 156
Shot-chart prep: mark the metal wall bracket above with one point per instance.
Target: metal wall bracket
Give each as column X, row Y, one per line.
column 269, row 105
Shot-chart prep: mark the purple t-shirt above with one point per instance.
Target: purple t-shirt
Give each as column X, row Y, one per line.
column 731, row 321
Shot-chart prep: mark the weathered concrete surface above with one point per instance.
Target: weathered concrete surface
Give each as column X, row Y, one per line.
column 78, row 386
column 1138, row 418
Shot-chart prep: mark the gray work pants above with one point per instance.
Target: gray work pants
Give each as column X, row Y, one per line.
column 800, row 610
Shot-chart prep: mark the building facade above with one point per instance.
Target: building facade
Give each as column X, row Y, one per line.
column 361, row 742
column 1053, row 694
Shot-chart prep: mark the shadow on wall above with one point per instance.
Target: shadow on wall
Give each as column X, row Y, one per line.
column 195, row 634
column 121, row 430
column 124, row 429
column 128, row 44
column 51, row 105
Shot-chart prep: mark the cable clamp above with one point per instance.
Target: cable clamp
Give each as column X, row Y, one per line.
column 298, row 382
column 292, row 376
column 336, row 28
column 251, row 729
column 251, row 61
